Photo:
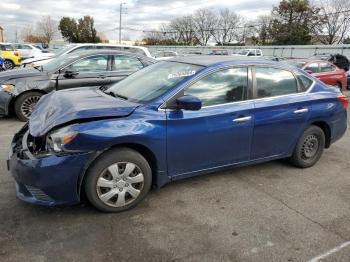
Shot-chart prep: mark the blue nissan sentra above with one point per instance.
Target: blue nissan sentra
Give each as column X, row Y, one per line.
column 174, row 119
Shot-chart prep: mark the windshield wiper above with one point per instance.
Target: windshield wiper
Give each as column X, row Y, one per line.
column 120, row 96
column 102, row 88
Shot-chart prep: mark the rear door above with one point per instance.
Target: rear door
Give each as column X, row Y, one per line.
column 123, row 66
column 88, row 71
column 280, row 112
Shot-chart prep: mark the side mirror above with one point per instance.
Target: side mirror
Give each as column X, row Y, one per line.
column 188, row 102
column 70, row 73
column 309, row 72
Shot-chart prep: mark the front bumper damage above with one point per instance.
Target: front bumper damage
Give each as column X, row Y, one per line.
column 49, row 179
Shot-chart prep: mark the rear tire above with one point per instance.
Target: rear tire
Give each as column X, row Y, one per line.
column 8, row 64
column 118, row 181
column 309, row 147
column 25, row 103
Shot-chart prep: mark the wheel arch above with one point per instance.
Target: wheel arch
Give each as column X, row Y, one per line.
column 147, row 153
column 11, row 105
column 326, row 130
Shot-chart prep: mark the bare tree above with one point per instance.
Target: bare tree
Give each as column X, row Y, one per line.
column 336, row 21
column 263, row 26
column 228, row 25
column 204, row 23
column 48, row 28
column 184, row 26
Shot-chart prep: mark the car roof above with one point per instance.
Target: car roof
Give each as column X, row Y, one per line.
column 209, row 60
column 108, row 51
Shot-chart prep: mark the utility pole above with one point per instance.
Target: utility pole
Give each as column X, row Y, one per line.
column 120, row 21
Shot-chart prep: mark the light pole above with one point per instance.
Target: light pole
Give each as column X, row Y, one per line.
column 120, row 21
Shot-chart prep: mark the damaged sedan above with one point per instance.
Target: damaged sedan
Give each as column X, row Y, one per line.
column 171, row 120
column 21, row 89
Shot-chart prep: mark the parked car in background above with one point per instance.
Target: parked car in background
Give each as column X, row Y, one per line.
column 172, row 120
column 348, row 73
column 72, row 48
column 164, row 55
column 339, row 60
column 31, row 51
column 22, row 89
column 219, row 52
column 12, row 57
column 249, row 52
column 327, row 72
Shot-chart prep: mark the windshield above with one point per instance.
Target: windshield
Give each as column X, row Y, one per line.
column 152, row 81
column 63, row 50
column 243, row 52
column 56, row 63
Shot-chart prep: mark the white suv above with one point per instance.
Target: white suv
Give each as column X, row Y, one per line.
column 72, row 48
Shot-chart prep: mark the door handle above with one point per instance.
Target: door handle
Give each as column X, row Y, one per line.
column 242, row 119
column 301, row 111
column 102, row 76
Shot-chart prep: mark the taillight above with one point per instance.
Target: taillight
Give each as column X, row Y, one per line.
column 343, row 99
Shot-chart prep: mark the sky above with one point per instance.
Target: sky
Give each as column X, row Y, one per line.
column 138, row 14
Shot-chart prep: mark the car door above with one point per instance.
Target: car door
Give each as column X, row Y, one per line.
column 123, row 66
column 88, row 71
column 219, row 133
column 280, row 112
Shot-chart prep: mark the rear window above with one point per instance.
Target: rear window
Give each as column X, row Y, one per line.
column 305, row 82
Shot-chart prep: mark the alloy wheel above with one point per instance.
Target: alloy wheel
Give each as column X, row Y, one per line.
column 120, row 184
column 28, row 105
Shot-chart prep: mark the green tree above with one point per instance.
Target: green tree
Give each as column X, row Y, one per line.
column 82, row 31
column 69, row 29
column 292, row 22
column 87, row 31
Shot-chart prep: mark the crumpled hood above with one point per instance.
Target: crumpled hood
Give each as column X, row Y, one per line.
column 64, row 106
column 19, row 73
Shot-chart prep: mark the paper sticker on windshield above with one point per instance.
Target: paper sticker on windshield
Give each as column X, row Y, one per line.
column 181, row 74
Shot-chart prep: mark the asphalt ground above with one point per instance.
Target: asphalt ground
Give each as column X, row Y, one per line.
column 267, row 212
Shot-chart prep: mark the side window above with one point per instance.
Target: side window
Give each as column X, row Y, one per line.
column 251, row 53
column 122, row 62
column 274, row 82
column 225, row 86
column 305, row 82
column 313, row 68
column 327, row 67
column 25, row 47
column 90, row 64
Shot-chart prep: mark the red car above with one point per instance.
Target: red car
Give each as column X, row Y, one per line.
column 327, row 72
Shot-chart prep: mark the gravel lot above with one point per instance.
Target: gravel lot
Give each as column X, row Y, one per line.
column 268, row 212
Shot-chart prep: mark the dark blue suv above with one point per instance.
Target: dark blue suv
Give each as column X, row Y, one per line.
column 174, row 119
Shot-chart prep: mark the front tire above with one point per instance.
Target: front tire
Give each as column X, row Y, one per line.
column 118, row 181
column 25, row 103
column 309, row 147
